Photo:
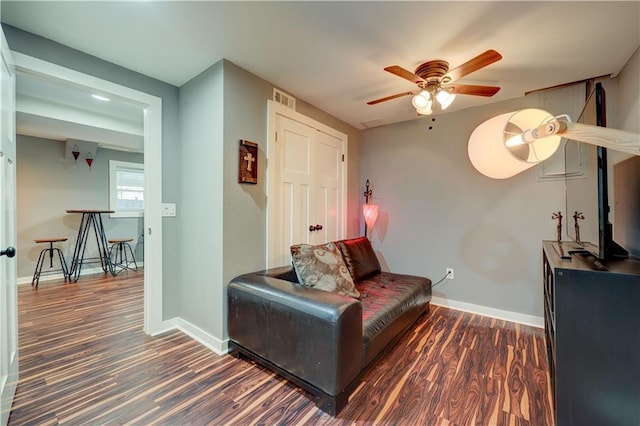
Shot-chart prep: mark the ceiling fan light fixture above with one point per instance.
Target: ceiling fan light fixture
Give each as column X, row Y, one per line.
column 433, row 79
column 426, row 110
column 445, row 98
column 422, row 100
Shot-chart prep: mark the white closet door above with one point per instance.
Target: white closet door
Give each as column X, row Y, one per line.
column 308, row 190
column 296, row 143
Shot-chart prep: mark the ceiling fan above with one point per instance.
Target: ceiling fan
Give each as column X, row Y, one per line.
column 435, row 82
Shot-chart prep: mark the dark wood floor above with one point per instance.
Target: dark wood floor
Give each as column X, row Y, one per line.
column 84, row 359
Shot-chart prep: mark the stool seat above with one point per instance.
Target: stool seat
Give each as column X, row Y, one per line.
column 120, row 240
column 51, row 240
column 51, row 250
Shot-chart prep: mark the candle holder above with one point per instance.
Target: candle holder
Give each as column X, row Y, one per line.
column 558, row 216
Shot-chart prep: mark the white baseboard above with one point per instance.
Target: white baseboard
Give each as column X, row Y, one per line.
column 164, row 327
column 218, row 346
column 58, row 276
column 530, row 320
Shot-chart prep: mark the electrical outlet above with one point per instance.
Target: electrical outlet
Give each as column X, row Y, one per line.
column 449, row 272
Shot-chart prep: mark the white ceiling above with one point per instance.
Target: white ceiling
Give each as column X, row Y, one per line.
column 332, row 54
column 54, row 110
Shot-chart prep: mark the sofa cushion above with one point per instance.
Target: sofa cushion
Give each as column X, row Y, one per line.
column 323, row 268
column 390, row 302
column 360, row 258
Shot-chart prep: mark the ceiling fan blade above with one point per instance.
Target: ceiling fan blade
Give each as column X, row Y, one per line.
column 388, row 98
column 469, row 89
column 407, row 75
column 480, row 61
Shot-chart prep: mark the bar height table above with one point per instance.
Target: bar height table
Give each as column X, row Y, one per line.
column 90, row 219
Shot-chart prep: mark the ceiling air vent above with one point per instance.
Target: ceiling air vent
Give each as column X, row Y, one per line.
column 282, row 98
column 373, row 123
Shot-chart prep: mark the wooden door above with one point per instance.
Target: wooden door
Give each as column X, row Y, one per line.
column 8, row 270
column 308, row 193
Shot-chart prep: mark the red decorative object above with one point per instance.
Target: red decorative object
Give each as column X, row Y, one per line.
column 89, row 160
column 76, row 153
column 369, row 210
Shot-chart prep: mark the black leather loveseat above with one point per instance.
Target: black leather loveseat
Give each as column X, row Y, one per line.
column 323, row 341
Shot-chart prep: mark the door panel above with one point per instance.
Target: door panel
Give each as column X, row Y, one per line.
column 297, row 151
column 295, row 214
column 295, row 154
column 328, row 182
column 301, row 217
column 8, row 270
column 328, row 158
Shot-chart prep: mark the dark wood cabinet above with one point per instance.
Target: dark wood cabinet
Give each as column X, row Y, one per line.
column 592, row 326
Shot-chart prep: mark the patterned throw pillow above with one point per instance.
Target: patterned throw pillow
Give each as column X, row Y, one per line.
column 322, row 267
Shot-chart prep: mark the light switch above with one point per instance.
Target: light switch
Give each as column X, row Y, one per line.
column 168, row 209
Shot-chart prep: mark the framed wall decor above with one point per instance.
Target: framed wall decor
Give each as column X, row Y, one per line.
column 248, row 162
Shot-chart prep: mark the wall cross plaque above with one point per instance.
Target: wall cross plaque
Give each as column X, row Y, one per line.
column 248, row 162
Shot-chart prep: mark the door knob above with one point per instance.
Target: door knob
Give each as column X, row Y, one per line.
column 318, row 227
column 9, row 252
column 312, row 228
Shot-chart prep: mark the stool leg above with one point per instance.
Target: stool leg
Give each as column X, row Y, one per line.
column 50, row 255
column 112, row 266
column 123, row 254
column 38, row 270
column 117, row 267
column 113, row 258
column 133, row 257
column 65, row 270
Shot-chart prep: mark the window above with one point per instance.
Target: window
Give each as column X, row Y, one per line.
column 126, row 189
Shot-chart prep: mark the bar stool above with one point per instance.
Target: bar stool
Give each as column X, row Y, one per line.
column 50, row 250
column 119, row 255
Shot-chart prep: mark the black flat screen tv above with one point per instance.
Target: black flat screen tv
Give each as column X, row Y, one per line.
column 588, row 196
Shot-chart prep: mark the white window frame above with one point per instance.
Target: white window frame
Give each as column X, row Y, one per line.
column 113, row 167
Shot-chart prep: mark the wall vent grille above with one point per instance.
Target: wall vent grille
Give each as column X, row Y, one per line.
column 282, row 98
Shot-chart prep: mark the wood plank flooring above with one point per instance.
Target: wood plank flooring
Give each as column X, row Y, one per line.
column 84, row 359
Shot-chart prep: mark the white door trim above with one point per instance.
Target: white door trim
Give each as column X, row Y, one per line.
column 273, row 110
column 152, row 106
column 9, row 349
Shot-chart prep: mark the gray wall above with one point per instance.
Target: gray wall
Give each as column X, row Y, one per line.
column 56, row 53
column 628, row 108
column 48, row 184
column 218, row 108
column 200, row 212
column 437, row 211
column 625, row 230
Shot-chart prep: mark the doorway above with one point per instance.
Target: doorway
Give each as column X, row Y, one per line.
column 152, row 147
